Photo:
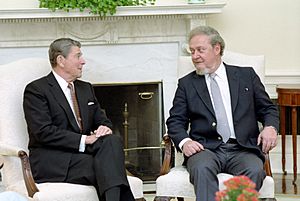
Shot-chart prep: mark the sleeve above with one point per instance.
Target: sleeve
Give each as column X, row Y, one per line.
column 266, row 110
column 178, row 120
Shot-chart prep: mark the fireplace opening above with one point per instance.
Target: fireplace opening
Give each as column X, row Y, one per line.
column 136, row 112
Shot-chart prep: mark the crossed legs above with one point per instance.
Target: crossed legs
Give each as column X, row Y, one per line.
column 102, row 166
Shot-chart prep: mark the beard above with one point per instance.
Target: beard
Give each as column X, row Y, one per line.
column 201, row 68
column 202, row 71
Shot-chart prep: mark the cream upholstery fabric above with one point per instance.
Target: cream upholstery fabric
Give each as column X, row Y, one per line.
column 11, row 196
column 14, row 137
column 176, row 182
column 72, row 192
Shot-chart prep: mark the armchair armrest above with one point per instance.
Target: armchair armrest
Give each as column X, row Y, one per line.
column 166, row 166
column 267, row 165
column 9, row 150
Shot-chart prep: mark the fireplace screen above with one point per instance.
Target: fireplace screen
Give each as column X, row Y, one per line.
column 137, row 116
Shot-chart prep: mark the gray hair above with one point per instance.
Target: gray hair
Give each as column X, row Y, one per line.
column 215, row 37
column 61, row 46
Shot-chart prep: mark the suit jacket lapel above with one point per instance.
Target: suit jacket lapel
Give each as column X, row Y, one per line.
column 59, row 95
column 83, row 107
column 233, row 82
column 199, row 84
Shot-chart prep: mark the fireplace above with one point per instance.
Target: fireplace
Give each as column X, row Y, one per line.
column 135, row 84
column 136, row 112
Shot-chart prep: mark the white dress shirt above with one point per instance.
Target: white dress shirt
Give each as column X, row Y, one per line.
column 64, row 87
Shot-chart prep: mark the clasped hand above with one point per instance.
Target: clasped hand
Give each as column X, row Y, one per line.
column 101, row 131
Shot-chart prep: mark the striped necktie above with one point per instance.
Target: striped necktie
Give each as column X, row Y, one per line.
column 75, row 105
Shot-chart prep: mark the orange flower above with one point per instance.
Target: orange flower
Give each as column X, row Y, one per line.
column 239, row 188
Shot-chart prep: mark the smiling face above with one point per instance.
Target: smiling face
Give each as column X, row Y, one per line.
column 206, row 58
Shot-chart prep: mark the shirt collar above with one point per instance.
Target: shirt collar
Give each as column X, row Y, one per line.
column 62, row 83
column 220, row 72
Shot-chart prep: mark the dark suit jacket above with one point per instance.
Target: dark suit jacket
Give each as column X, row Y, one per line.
column 53, row 131
column 250, row 103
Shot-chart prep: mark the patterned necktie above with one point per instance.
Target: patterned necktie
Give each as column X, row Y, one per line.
column 222, row 122
column 75, row 105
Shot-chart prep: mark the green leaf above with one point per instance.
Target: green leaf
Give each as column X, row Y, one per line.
column 100, row 7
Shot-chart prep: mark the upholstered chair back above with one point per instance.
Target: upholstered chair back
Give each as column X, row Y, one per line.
column 14, row 139
column 13, row 131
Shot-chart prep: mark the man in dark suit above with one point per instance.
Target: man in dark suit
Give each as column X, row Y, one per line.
column 211, row 142
column 70, row 140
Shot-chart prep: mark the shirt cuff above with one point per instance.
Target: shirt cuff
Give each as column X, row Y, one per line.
column 82, row 143
column 183, row 141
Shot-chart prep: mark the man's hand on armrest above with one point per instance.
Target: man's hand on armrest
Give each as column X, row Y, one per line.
column 268, row 138
column 191, row 147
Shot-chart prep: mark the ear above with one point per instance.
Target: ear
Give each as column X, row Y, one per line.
column 217, row 49
column 60, row 60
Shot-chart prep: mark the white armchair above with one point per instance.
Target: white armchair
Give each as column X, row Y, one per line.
column 174, row 182
column 16, row 173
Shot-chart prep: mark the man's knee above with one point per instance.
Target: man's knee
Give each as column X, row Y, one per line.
column 256, row 167
column 256, row 173
column 256, row 170
column 203, row 169
column 106, row 143
column 203, row 164
column 114, row 140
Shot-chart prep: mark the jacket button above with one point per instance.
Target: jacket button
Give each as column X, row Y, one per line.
column 219, row 138
column 214, row 124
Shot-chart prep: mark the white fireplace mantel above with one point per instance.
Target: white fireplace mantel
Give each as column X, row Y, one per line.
column 32, row 27
column 125, row 11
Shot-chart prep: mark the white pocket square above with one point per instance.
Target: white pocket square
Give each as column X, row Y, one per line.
column 91, row 103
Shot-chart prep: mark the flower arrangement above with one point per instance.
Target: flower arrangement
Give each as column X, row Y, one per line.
column 238, row 188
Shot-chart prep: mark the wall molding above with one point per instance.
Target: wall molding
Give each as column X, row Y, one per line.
column 37, row 27
column 123, row 12
column 275, row 79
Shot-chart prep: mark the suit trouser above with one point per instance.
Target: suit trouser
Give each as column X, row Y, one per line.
column 228, row 158
column 102, row 165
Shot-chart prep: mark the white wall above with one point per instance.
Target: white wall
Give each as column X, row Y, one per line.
column 268, row 27
column 7, row 4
